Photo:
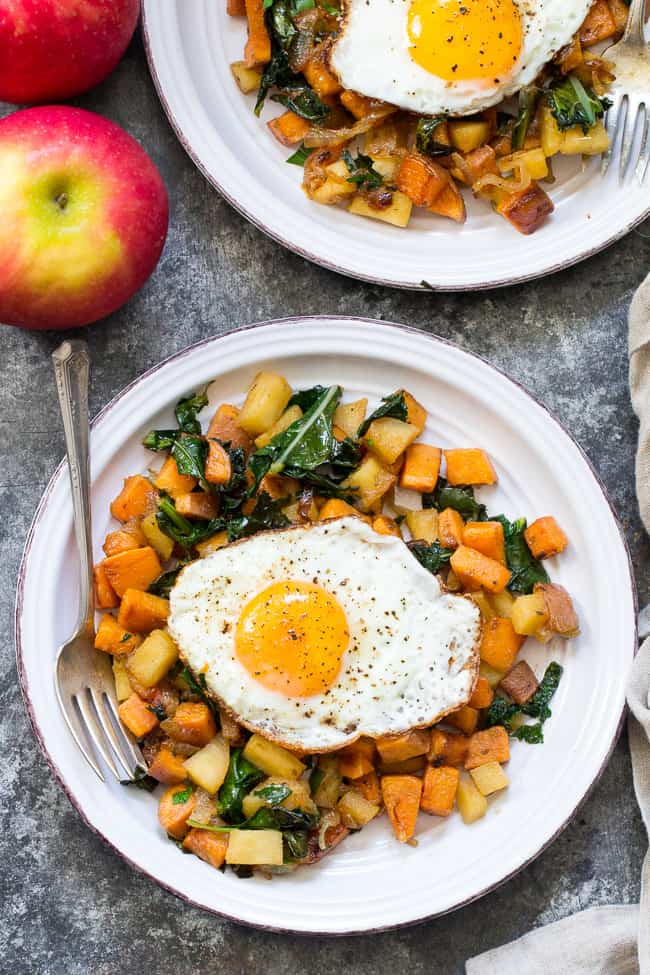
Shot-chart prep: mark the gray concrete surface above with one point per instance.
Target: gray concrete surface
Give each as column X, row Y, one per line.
column 70, row 906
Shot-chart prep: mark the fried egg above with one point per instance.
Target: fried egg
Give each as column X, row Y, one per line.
column 449, row 56
column 315, row 635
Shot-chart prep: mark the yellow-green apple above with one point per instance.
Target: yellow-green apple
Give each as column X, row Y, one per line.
column 55, row 49
column 83, row 217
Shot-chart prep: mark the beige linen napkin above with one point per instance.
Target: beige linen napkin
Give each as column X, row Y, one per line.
column 606, row 940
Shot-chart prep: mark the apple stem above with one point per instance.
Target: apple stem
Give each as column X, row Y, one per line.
column 61, row 200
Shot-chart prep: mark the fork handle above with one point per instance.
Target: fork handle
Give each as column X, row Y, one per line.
column 635, row 26
column 72, row 371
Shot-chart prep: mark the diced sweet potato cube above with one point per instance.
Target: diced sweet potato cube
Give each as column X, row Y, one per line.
column 447, row 748
column 319, row 78
column 421, row 179
column 198, row 504
column 439, row 790
column 121, row 541
column 338, row 508
column 499, row 643
column 209, row 846
column 469, row 466
column 224, row 426
column 137, row 716
column 416, row 413
column 486, row 537
column 478, row 163
column 105, row 595
column 173, row 483
column 357, row 105
column 136, row 569
column 421, row 467
column 465, row 719
column 134, row 500
column 598, row 25
column 410, row 766
column 235, row 8
column 211, row 544
column 192, row 723
column 258, row 45
column 450, row 528
column 141, row 612
column 545, row 538
column 368, row 786
column 562, row 617
column 353, row 764
column 384, row 525
column 449, row 203
column 218, row 469
column 167, row 767
column 289, row 128
column 173, row 815
column 526, row 209
column 482, row 695
column 478, row 571
column 402, row 747
column 401, row 795
column 113, row 638
column 520, row 683
column 491, row 745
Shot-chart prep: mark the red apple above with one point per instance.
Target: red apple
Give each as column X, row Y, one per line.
column 56, row 49
column 83, row 217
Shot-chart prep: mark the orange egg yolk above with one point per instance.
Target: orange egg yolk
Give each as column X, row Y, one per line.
column 291, row 638
column 466, row 40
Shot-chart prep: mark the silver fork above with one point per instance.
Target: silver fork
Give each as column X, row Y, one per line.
column 630, row 96
column 83, row 676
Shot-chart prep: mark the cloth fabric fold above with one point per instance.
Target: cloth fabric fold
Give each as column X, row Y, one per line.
column 606, row 940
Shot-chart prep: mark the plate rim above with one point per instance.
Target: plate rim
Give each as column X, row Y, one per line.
column 422, row 286
column 20, row 654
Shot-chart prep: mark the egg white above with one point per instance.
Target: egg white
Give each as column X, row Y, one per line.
column 371, row 56
column 413, row 653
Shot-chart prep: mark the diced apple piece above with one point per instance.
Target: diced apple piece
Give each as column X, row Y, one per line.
column 248, row 79
column 255, row 847
column 350, row 416
column 388, row 438
column 272, row 758
column 265, row 402
column 489, row 778
column 471, row 803
column 371, row 480
column 398, row 213
column 529, row 614
column 160, row 543
column 355, row 811
column 123, row 687
column 288, row 417
column 208, row 767
column 153, row 658
column 329, row 788
column 423, row 524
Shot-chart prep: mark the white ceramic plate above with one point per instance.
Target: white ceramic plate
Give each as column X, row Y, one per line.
column 190, row 44
column 371, row 882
